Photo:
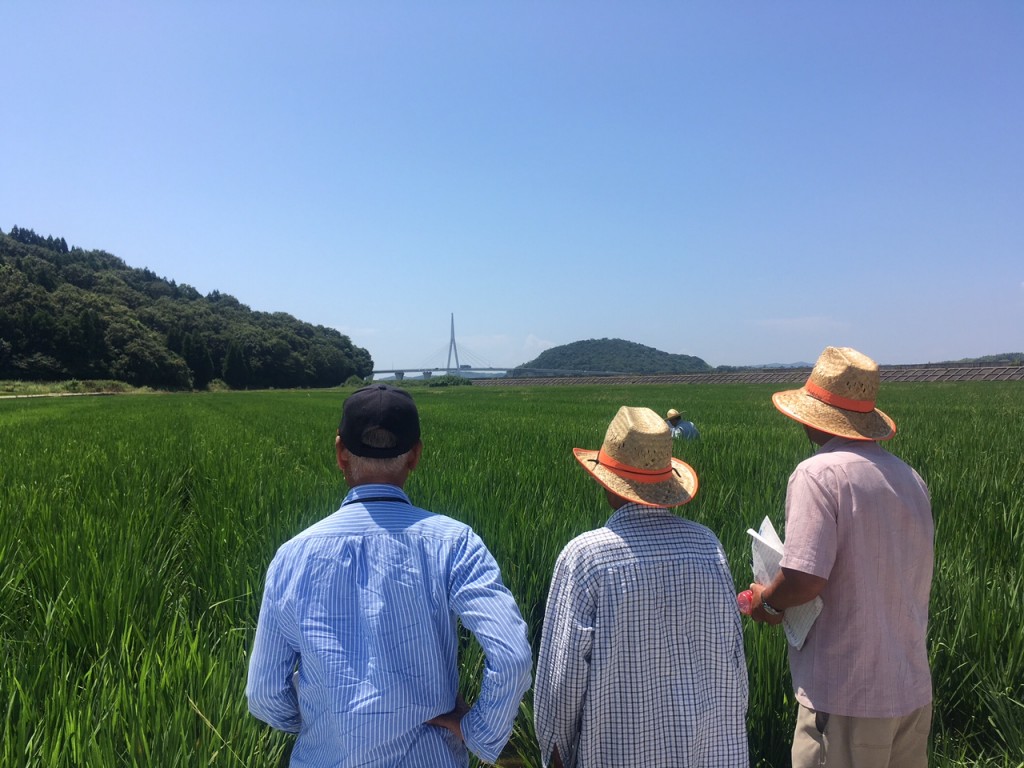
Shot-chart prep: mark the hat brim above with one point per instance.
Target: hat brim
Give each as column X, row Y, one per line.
column 671, row 493
column 801, row 407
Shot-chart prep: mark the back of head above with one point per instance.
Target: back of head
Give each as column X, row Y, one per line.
column 379, row 422
column 839, row 397
column 379, row 427
column 360, row 470
column 635, row 461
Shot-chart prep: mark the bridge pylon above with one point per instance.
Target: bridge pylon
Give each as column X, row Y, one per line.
column 452, row 348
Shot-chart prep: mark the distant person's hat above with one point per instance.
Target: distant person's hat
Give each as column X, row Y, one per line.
column 379, row 422
column 839, row 397
column 636, row 462
column 673, row 414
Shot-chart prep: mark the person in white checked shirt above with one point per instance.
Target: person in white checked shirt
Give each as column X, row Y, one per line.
column 356, row 648
column 641, row 660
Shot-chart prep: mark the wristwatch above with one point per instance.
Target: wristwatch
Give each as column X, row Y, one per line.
column 768, row 609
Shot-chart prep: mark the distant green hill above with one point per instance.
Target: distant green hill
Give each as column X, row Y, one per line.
column 67, row 313
column 1009, row 358
column 615, row 355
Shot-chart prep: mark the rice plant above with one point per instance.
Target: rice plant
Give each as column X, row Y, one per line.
column 135, row 532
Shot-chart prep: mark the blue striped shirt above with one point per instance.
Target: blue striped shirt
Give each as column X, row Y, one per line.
column 365, row 605
column 684, row 429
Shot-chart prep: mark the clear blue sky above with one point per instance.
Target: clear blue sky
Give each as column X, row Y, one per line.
column 745, row 182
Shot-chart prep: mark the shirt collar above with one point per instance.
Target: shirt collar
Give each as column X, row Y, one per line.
column 381, row 491
column 837, row 443
column 631, row 508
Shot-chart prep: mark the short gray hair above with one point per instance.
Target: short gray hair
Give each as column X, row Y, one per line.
column 361, row 467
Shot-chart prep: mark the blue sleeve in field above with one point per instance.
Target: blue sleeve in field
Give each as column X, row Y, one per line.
column 488, row 610
column 271, row 694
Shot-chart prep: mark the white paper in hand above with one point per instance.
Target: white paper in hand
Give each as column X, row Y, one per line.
column 767, row 550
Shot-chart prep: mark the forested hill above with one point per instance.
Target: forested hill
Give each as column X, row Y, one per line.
column 67, row 313
column 615, row 355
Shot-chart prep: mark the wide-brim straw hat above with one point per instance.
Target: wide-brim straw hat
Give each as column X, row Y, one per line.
column 636, row 462
column 839, row 397
column 673, row 414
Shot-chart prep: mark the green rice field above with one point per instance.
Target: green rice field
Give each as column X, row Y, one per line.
column 135, row 531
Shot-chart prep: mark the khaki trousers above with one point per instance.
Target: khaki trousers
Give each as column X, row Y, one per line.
column 837, row 741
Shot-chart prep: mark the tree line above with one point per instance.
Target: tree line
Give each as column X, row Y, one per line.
column 69, row 313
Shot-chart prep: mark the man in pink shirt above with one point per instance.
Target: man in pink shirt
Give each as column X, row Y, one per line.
column 859, row 534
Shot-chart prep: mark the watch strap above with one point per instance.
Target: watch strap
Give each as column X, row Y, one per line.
column 771, row 611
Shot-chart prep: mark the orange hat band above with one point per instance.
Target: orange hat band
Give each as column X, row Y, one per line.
column 830, row 398
column 633, row 473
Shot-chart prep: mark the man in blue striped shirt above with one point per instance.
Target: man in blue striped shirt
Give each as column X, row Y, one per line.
column 356, row 648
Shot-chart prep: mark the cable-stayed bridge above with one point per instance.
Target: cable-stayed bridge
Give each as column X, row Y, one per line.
column 480, row 370
column 459, row 369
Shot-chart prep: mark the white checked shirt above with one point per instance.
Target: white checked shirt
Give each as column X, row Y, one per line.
column 641, row 660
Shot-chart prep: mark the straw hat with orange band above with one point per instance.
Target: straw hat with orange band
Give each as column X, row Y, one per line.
column 839, row 397
column 635, row 461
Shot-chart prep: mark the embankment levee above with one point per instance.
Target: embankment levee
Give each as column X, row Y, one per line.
column 767, row 376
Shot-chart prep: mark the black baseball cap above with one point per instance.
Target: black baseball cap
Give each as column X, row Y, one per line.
column 389, row 412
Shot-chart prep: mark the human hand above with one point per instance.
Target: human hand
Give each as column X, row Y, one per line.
column 452, row 720
column 758, row 613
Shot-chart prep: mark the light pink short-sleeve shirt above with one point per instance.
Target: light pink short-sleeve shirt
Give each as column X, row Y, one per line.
column 861, row 518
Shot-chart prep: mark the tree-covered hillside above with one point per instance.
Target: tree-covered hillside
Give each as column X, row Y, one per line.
column 1007, row 358
column 67, row 313
column 615, row 355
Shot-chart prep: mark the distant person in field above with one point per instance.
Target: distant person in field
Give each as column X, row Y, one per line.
column 679, row 428
column 357, row 641
column 859, row 533
column 641, row 659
